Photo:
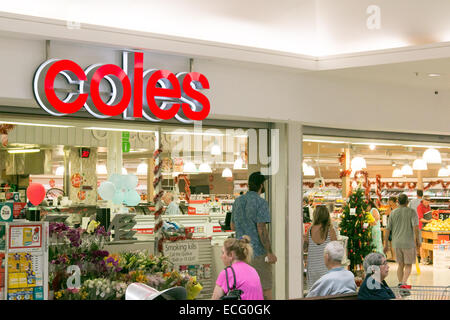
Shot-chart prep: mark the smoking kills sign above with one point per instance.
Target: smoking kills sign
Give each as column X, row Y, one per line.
column 135, row 93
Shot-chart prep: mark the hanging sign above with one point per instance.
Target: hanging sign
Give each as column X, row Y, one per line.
column 135, row 93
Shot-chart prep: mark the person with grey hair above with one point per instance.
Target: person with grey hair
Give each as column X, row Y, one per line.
column 374, row 287
column 172, row 207
column 337, row 280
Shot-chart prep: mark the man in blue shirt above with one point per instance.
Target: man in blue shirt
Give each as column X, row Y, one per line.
column 250, row 214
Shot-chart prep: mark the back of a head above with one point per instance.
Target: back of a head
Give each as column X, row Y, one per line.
column 335, row 251
column 372, row 259
column 321, row 216
column 403, row 199
column 255, row 180
column 420, row 193
column 241, row 248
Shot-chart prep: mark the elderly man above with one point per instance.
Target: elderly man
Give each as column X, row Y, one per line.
column 374, row 287
column 172, row 207
column 337, row 280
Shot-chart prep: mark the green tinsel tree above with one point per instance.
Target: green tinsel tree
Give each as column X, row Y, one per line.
column 359, row 243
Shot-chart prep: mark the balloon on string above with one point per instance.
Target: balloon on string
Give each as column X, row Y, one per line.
column 130, row 181
column 116, row 179
column 107, row 190
column 36, row 193
column 132, row 198
column 119, row 197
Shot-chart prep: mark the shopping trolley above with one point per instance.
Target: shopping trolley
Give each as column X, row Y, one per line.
column 422, row 292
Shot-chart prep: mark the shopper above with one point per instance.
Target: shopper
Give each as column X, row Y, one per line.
column 404, row 226
column 237, row 253
column 250, row 214
column 377, row 242
column 172, row 207
column 337, row 280
column 422, row 209
column 307, row 211
column 374, row 287
column 318, row 236
column 414, row 203
column 392, row 205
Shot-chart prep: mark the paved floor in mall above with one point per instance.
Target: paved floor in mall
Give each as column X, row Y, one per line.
column 429, row 276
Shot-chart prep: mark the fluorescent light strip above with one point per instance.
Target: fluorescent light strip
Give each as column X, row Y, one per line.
column 376, row 144
column 428, row 147
column 36, row 124
column 24, row 150
column 194, row 133
column 326, row 141
column 116, row 129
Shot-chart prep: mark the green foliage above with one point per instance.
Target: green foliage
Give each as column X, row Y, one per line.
column 359, row 239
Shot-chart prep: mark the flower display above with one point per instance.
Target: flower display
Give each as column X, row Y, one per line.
column 106, row 276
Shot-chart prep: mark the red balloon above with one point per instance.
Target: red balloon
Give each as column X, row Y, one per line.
column 36, row 193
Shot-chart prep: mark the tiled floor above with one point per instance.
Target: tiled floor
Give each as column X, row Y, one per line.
column 429, row 276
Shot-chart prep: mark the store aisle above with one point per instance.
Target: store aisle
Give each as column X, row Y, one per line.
column 429, row 276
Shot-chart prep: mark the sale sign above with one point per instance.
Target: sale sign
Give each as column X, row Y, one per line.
column 135, row 93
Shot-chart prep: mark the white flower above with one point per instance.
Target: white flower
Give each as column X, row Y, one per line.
column 108, row 290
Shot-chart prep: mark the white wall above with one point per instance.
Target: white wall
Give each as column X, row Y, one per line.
column 251, row 91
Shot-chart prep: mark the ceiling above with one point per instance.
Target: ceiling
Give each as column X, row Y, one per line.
column 413, row 74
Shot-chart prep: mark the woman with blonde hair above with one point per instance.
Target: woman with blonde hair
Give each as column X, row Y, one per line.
column 318, row 236
column 237, row 254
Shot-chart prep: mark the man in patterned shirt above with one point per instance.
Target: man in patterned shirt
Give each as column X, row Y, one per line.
column 250, row 214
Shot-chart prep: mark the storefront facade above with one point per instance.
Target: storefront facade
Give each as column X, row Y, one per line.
column 242, row 96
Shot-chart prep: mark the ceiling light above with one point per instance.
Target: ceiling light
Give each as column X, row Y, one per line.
column 443, row 172
column 407, row 170
column 226, row 173
column 189, row 167
column 432, row 155
column 204, row 168
column 37, row 124
column 309, row 171
column 23, row 150
column 397, row 173
column 142, row 169
column 59, row 171
column 434, row 75
column 238, row 164
column 372, row 146
column 101, row 169
column 358, row 163
column 419, row 164
column 215, row 150
column 124, row 171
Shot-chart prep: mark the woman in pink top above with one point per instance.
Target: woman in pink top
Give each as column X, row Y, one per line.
column 237, row 254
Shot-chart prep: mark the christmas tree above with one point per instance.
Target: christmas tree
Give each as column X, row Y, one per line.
column 354, row 225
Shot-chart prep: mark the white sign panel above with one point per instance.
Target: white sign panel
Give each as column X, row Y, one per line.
column 182, row 252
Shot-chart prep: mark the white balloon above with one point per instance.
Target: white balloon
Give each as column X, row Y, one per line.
column 107, row 190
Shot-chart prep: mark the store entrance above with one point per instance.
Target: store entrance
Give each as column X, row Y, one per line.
column 334, row 168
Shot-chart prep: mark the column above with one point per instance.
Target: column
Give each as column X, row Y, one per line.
column 294, row 216
column 419, row 180
column 346, row 179
column 279, row 216
column 114, row 156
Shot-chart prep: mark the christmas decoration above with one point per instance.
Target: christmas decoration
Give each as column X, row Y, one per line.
column 352, row 226
column 378, row 183
column 157, row 183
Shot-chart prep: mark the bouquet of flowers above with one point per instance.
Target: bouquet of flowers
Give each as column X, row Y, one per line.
column 142, row 261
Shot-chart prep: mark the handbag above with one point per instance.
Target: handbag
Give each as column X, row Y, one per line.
column 233, row 293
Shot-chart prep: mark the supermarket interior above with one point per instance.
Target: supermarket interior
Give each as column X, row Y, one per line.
column 128, row 146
